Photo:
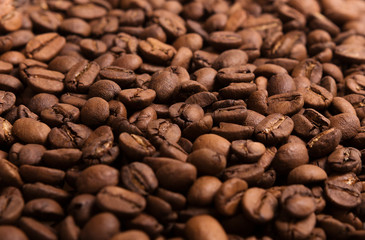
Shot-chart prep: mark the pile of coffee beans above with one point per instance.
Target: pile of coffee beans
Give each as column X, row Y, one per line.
column 182, row 119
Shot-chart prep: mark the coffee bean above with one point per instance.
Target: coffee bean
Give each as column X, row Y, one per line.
column 101, row 226
column 204, row 227
column 139, row 178
column 29, row 130
column 81, row 76
column 130, row 234
column 262, row 212
column 36, row 229
column 40, row 190
column 305, row 174
column 229, row 196
column 202, row 192
column 44, row 47
column 347, row 123
column 343, row 190
column 10, row 232
column 297, row 228
column 251, row 173
column 43, row 209
column 94, row 178
column 12, row 203
column 274, row 128
column 68, row 229
column 135, row 147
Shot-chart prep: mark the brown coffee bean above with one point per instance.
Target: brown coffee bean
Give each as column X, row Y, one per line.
column 251, row 173
column 229, row 195
column 46, row 21
column 156, row 51
column 274, row 128
column 130, row 234
column 94, row 112
column 42, row 174
column 343, row 190
column 345, row 160
column 295, row 228
column 37, row 230
column 10, row 232
column 120, row 201
column 30, row 131
column 135, row 147
column 70, row 135
column 347, row 123
column 285, row 103
column 204, row 227
column 12, row 204
column 68, row 229
column 94, row 178
column 86, row 11
column 43, row 209
column 101, row 226
column 81, row 76
column 324, row 142
column 44, row 47
column 139, row 178
column 40, row 190
column 259, row 205
column 202, row 192
column 306, row 174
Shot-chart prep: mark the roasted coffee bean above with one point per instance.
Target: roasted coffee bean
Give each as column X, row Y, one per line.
column 36, row 229
column 68, row 229
column 81, row 76
column 285, row 103
column 59, row 114
column 42, row 174
column 94, row 178
column 29, row 130
column 26, row 154
column 41, row 101
column 8, row 82
column 43, row 209
column 310, row 123
column 295, row 228
column 12, row 204
column 290, row 156
column 259, row 204
column 161, row 130
column 197, row 228
column 135, row 147
column 343, row 190
column 42, row 80
column 347, row 123
column 10, row 232
column 44, row 47
column 202, row 192
column 40, row 190
column 172, row 174
column 69, row 135
column 324, row 142
column 297, row 201
column 139, row 178
column 306, row 174
column 207, row 161
column 120, row 201
column 99, row 148
column 345, row 160
column 251, row 173
column 247, row 150
column 94, row 112
column 316, row 97
column 101, row 226
column 274, row 128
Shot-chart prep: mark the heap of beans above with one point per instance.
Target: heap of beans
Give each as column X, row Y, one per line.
column 182, row 119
